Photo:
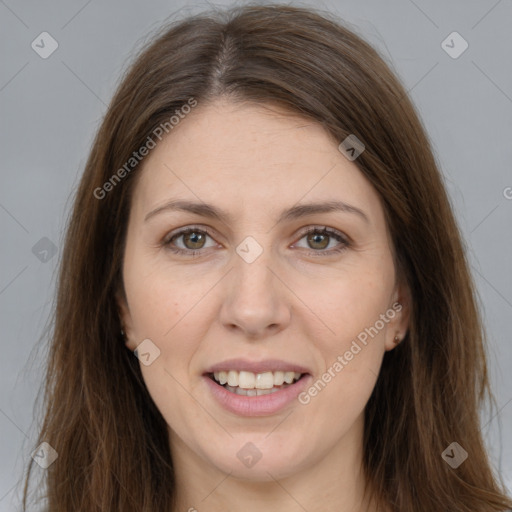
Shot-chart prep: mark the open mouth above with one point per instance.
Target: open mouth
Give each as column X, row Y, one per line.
column 250, row 384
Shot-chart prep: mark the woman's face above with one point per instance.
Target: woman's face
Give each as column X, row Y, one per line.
column 247, row 291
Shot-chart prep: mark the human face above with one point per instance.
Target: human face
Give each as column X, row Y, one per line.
column 278, row 300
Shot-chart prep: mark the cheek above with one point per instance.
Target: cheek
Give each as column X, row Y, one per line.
column 352, row 306
column 161, row 300
column 163, row 312
column 348, row 303
column 174, row 322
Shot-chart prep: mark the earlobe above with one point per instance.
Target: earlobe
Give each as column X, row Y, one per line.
column 126, row 331
column 398, row 327
column 405, row 300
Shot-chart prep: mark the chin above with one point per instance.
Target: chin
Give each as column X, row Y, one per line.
column 259, row 462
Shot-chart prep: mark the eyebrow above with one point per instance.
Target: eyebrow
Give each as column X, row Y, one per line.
column 295, row 212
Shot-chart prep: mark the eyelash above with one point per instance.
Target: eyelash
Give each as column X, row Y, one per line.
column 323, row 230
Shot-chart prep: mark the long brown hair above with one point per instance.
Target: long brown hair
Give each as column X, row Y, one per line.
column 111, row 440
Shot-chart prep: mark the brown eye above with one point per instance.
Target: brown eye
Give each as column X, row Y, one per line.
column 190, row 241
column 323, row 241
column 318, row 240
column 194, row 240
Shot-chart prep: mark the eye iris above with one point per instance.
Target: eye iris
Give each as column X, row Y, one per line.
column 196, row 239
column 314, row 238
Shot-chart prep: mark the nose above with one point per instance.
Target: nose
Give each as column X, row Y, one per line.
column 256, row 300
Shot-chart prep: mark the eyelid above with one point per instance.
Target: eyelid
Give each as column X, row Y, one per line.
column 186, row 229
column 344, row 240
column 328, row 230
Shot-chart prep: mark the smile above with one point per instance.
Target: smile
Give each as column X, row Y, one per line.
column 255, row 401
column 247, row 383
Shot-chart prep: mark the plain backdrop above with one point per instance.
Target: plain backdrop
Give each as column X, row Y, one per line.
column 51, row 107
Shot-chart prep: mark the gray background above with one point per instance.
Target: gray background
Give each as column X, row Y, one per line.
column 51, row 108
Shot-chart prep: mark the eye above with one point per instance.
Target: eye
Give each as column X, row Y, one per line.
column 319, row 238
column 193, row 239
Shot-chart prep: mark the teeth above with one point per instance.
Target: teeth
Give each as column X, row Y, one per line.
column 251, row 392
column 265, row 381
column 232, row 378
column 289, row 376
column 279, row 378
column 247, row 380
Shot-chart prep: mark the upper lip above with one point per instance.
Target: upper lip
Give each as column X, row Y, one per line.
column 266, row 365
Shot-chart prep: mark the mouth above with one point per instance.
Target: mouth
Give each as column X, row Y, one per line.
column 250, row 384
column 250, row 388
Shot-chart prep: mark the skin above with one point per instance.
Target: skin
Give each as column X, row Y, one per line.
column 291, row 303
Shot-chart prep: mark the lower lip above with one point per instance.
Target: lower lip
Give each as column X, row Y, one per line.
column 263, row 405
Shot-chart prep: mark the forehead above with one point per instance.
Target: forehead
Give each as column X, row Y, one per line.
column 249, row 157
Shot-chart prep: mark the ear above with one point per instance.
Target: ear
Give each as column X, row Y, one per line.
column 125, row 320
column 399, row 313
